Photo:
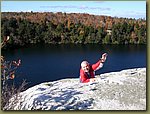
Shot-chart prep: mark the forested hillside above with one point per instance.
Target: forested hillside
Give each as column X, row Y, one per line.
column 47, row 27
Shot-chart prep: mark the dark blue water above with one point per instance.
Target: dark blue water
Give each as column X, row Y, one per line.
column 43, row 63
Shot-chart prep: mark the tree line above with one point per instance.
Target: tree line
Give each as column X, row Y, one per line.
column 28, row 28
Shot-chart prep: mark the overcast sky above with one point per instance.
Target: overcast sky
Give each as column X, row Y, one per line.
column 127, row 9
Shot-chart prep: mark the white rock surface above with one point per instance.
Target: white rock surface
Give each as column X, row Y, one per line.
column 124, row 90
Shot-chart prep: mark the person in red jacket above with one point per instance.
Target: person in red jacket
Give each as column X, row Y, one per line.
column 87, row 71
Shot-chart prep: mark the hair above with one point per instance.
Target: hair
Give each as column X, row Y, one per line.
column 84, row 62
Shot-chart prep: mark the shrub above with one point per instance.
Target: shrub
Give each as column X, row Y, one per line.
column 8, row 90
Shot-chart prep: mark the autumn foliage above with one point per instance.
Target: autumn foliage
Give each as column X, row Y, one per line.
column 8, row 71
column 55, row 28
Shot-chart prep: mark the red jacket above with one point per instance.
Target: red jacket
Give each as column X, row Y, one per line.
column 84, row 77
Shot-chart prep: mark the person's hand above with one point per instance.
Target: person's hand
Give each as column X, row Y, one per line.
column 104, row 56
column 93, row 80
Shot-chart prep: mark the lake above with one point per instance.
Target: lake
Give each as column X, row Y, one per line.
column 44, row 63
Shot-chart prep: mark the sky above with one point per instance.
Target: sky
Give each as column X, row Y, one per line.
column 125, row 9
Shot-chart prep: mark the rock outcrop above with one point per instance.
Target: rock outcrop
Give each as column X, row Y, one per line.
column 124, row 90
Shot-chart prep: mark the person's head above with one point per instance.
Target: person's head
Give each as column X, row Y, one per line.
column 85, row 66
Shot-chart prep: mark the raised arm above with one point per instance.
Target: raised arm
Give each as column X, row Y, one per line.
column 99, row 64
